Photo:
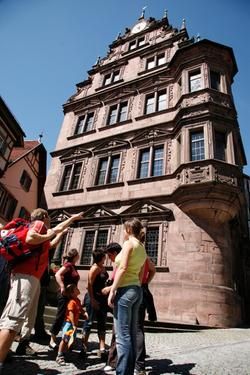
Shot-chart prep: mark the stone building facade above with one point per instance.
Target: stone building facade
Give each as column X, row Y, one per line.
column 153, row 133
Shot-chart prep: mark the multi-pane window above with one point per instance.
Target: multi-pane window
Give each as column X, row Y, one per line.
column 215, row 80
column 155, row 61
column 108, row 170
column 71, row 177
column 85, row 123
column 197, row 148
column 118, row 113
column 136, row 43
column 220, row 145
column 151, row 162
column 111, row 77
column 156, row 102
column 151, row 243
column 25, row 181
column 93, row 240
column 7, row 204
column 3, row 144
column 195, row 82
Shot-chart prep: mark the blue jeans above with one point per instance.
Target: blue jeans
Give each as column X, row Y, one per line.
column 99, row 315
column 126, row 307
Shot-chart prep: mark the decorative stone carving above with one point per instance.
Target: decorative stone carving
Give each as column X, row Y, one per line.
column 169, row 152
column 195, row 175
column 123, row 163
column 171, row 95
column 133, row 163
column 130, row 107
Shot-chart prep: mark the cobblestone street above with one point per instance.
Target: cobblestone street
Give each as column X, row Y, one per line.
column 207, row 352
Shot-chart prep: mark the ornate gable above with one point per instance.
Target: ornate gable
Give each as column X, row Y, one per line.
column 110, row 145
column 59, row 215
column 99, row 212
column 76, row 153
column 147, row 209
column 149, row 135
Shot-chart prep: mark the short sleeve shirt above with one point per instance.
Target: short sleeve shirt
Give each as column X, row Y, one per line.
column 36, row 264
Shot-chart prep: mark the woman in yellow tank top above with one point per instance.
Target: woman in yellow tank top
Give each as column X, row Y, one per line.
column 126, row 295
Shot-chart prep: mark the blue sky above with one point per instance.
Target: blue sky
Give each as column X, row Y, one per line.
column 47, row 46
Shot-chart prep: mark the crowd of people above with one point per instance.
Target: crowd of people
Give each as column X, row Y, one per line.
column 124, row 293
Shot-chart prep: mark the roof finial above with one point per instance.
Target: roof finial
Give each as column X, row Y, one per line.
column 118, row 36
column 40, row 136
column 143, row 12
column 183, row 25
column 98, row 60
column 165, row 13
column 198, row 37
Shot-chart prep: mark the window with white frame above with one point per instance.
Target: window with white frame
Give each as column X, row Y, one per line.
column 195, row 80
column 108, row 170
column 156, row 102
column 94, row 239
column 151, row 162
column 136, row 43
column 215, row 80
column 25, row 181
column 156, row 60
column 111, row 77
column 85, row 123
column 118, row 113
column 197, row 145
column 220, row 145
column 71, row 177
column 152, row 242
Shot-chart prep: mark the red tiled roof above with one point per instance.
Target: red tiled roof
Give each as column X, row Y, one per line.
column 18, row 152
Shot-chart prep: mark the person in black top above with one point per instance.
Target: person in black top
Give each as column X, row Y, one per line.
column 66, row 275
column 95, row 302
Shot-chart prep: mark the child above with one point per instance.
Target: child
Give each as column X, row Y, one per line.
column 73, row 311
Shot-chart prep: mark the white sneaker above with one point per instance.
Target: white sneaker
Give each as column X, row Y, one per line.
column 108, row 368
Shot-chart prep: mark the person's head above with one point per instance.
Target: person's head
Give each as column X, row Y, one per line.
column 112, row 250
column 72, row 256
column 40, row 214
column 99, row 256
column 133, row 227
column 71, row 291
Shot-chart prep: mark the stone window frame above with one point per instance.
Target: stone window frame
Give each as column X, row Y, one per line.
column 136, row 43
column 197, row 75
column 109, row 156
column 97, row 229
column 222, row 84
column 186, row 137
column 152, row 146
column 118, row 105
column 229, row 144
column 115, row 76
column 85, row 116
column 163, row 226
column 155, row 59
column 65, row 165
column 155, row 95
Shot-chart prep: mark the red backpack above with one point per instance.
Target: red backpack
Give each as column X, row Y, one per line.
column 13, row 246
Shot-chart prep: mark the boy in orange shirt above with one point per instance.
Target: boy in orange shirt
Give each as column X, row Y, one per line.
column 73, row 311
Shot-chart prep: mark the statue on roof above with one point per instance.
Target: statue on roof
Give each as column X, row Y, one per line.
column 143, row 12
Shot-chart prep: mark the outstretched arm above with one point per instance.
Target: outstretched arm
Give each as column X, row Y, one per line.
column 66, row 223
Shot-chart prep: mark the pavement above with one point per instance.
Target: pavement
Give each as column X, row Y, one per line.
column 205, row 352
